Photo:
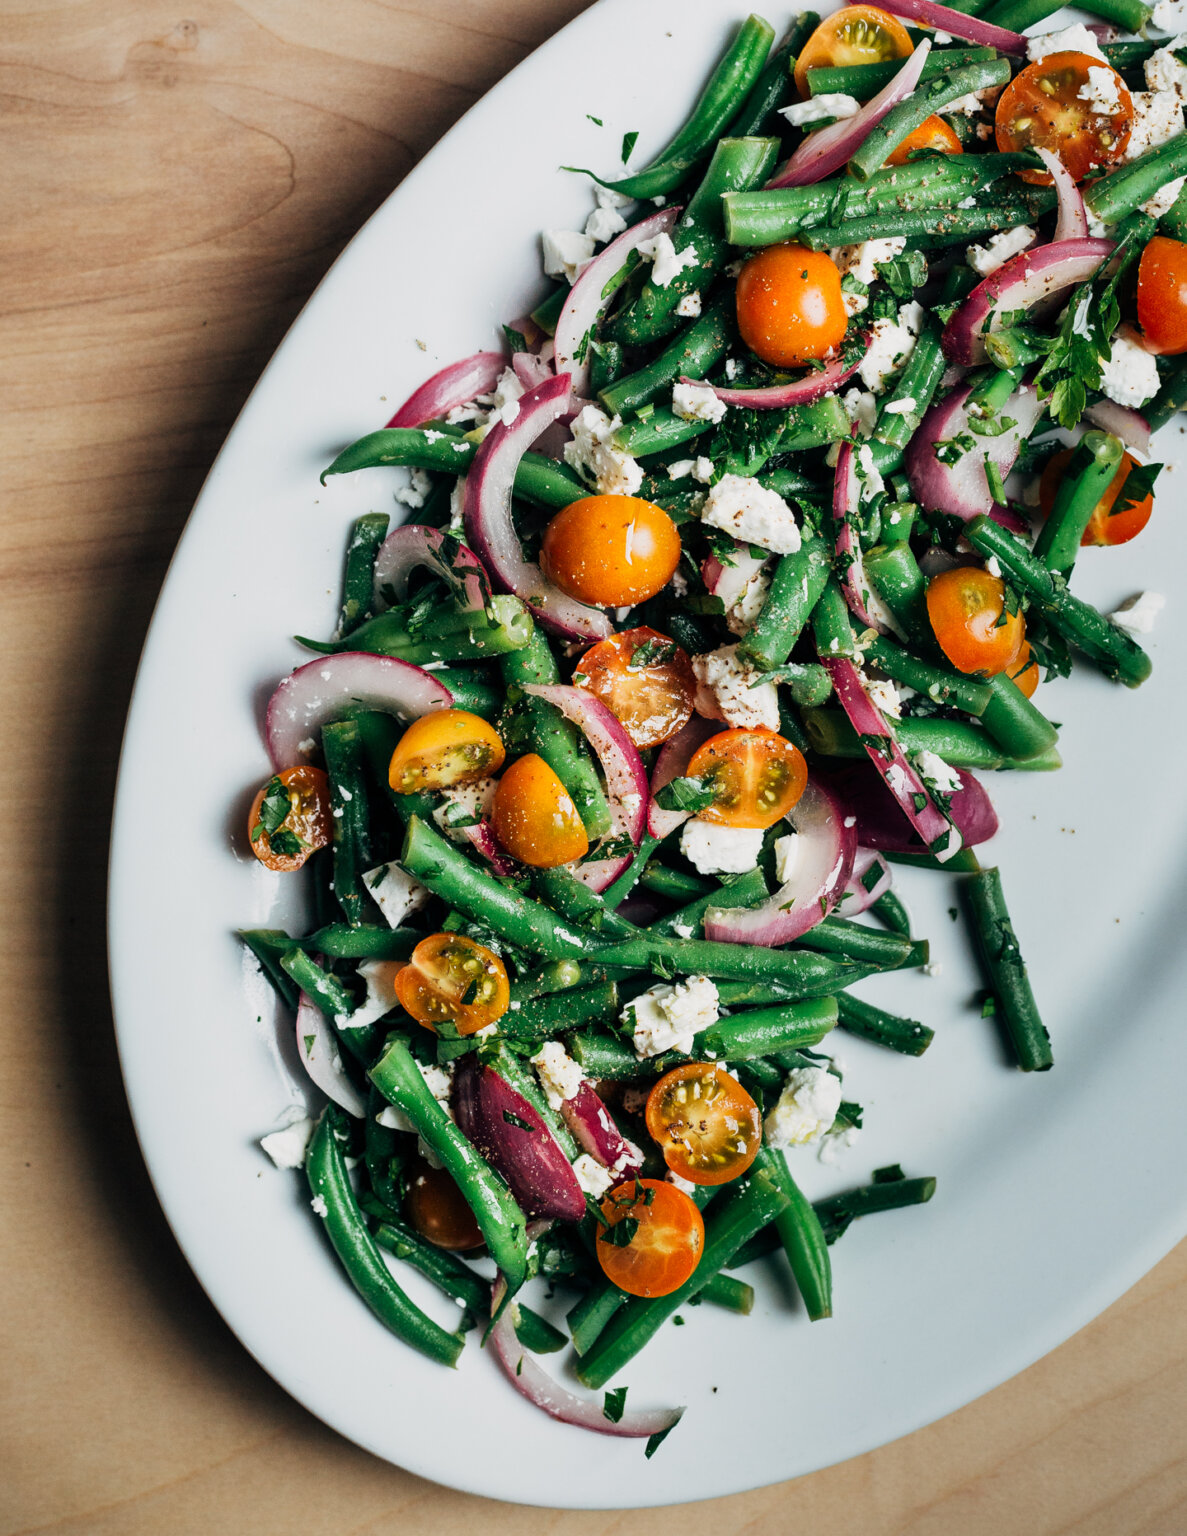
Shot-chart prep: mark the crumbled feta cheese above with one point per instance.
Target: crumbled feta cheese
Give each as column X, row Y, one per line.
column 966, row 106
column 902, row 407
column 593, row 1178
column 703, row 470
column 731, row 368
column 1130, row 375
column 565, row 252
column 286, row 1146
column 891, row 344
column 1102, row 91
column 318, row 1205
column 1074, row 39
column 380, row 977
column 934, row 968
column 393, row 1119
column 592, row 452
column 1137, row 614
column 439, row 1081
column 416, row 492
column 697, row 402
column 1164, row 72
column 395, row 893
column 742, row 587
column 806, row 1108
column 936, row 773
column 1165, row 198
column 754, row 515
column 787, row 856
column 861, row 261
column 689, row 306
column 817, row 108
column 603, row 224
column 307, row 745
column 1157, row 117
column 680, row 469
column 861, row 409
column 729, row 681
column 868, row 473
column 666, row 1018
column 985, row 259
column 457, row 506
column 834, row 1143
column 461, row 806
column 1170, row 15
column 560, row 1076
column 716, row 850
column 685, row 1186
column 666, row 261
column 883, row 695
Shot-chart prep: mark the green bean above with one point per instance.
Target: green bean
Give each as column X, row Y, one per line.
column 473, row 689
column 806, row 683
column 548, row 311
column 1006, row 971
column 366, row 535
column 890, row 910
column 449, row 1273
column 963, row 862
column 351, row 821
column 743, row 891
column 802, row 1237
column 546, row 732
column 831, row 628
column 535, row 1022
column 269, row 946
column 379, row 735
column 736, row 165
column 894, row 428
column 727, row 89
column 384, row 1159
column 959, row 743
column 334, row 1202
column 923, row 227
column 565, row 894
column 1017, row 14
column 907, row 1036
column 811, row 974
column 939, row 683
column 1124, row 190
column 645, row 435
column 1087, row 477
column 927, row 98
column 675, row 884
column 733, row 1295
column 796, row 586
column 559, row 976
column 364, row 941
column 839, row 1211
column 1103, row 642
column 888, row 951
column 1132, row 51
column 474, row 638
column 614, row 895
column 1174, row 221
column 692, row 352
column 534, row 1332
column 537, row 478
column 607, row 362
column 862, row 81
column 591, row 1314
column 499, row 1218
column 733, row 1220
column 320, row 985
column 1170, row 399
column 1130, row 14
column 894, row 574
column 1017, row 725
column 757, row 116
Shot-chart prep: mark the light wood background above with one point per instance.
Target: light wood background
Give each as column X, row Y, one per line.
column 175, row 175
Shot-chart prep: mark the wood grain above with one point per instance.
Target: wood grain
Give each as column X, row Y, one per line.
column 174, row 182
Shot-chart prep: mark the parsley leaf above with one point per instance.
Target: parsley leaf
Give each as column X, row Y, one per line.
column 652, row 653
column 693, row 795
column 274, row 809
column 1139, row 484
column 622, row 1233
column 614, row 1403
column 628, row 145
column 285, row 844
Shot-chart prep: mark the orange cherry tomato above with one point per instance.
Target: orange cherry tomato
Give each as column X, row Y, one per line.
column 645, row 679
column 757, row 776
column 705, row 1123
column 449, row 976
column 612, row 551
column 1105, row 526
column 663, row 1243
column 447, row 746
column 1024, row 671
column 534, row 817
column 437, row 1209
column 1162, row 295
column 789, row 303
column 290, row 818
column 858, row 34
column 933, row 133
column 965, row 605
column 1048, row 106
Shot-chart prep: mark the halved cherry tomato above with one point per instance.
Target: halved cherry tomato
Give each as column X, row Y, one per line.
column 705, row 1123
column 1162, row 295
column 449, row 976
column 757, row 776
column 1105, row 526
column 534, row 817
column 290, row 818
column 437, row 1209
column 1053, row 105
column 933, row 133
column 612, row 551
column 789, row 303
column 858, row 34
column 644, row 679
column 965, row 605
column 1024, row 671
column 448, row 746
column 655, row 1255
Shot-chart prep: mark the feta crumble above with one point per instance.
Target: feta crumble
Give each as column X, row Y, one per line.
column 1164, row 72
column 1170, row 15
column 565, row 252
column 416, row 492
column 593, row 1178
column 861, row 409
column 806, row 1108
column 1137, row 614
column 318, row 1205
column 827, row 105
column 689, row 306
column 1075, row 39
column 891, row 344
column 1158, row 116
column 754, row 515
column 395, row 893
column 667, row 1018
column 1130, row 375
column 560, row 1076
column 883, row 695
column 936, row 773
column 697, row 402
column 1102, row 91
column 461, row 806
column 667, row 262
column 987, row 258
column 592, row 453
column 729, row 681
column 380, row 979
column 716, row 850
column 286, row 1146
column 1164, row 199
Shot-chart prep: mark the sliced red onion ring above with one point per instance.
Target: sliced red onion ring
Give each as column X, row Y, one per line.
column 828, row 149
column 626, row 780
column 317, row 1046
column 411, row 546
column 494, row 1116
column 1072, row 221
column 672, row 762
column 1041, row 273
column 1122, row 421
column 864, row 888
column 588, row 297
column 482, row 838
column 530, row 370
column 319, row 691
column 880, row 824
column 491, row 532
column 594, row 1129
column 900, row 778
column 863, row 604
column 456, row 385
column 531, row 1380
column 799, row 392
column 825, row 843
column 962, row 488
column 967, row 28
column 729, row 582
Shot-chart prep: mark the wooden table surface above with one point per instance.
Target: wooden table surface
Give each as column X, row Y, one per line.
column 174, row 180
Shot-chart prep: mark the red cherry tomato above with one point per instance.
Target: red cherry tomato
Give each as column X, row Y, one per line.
column 534, row 817
column 704, row 1122
column 757, row 776
column 1024, row 671
column 612, row 551
column 447, row 746
column 290, row 818
column 789, row 303
column 965, row 605
column 1162, row 295
column 858, row 34
column 657, row 1253
column 437, row 1209
column 1051, row 105
column 1106, row 526
column 644, row 679
column 449, row 976
column 933, row 133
